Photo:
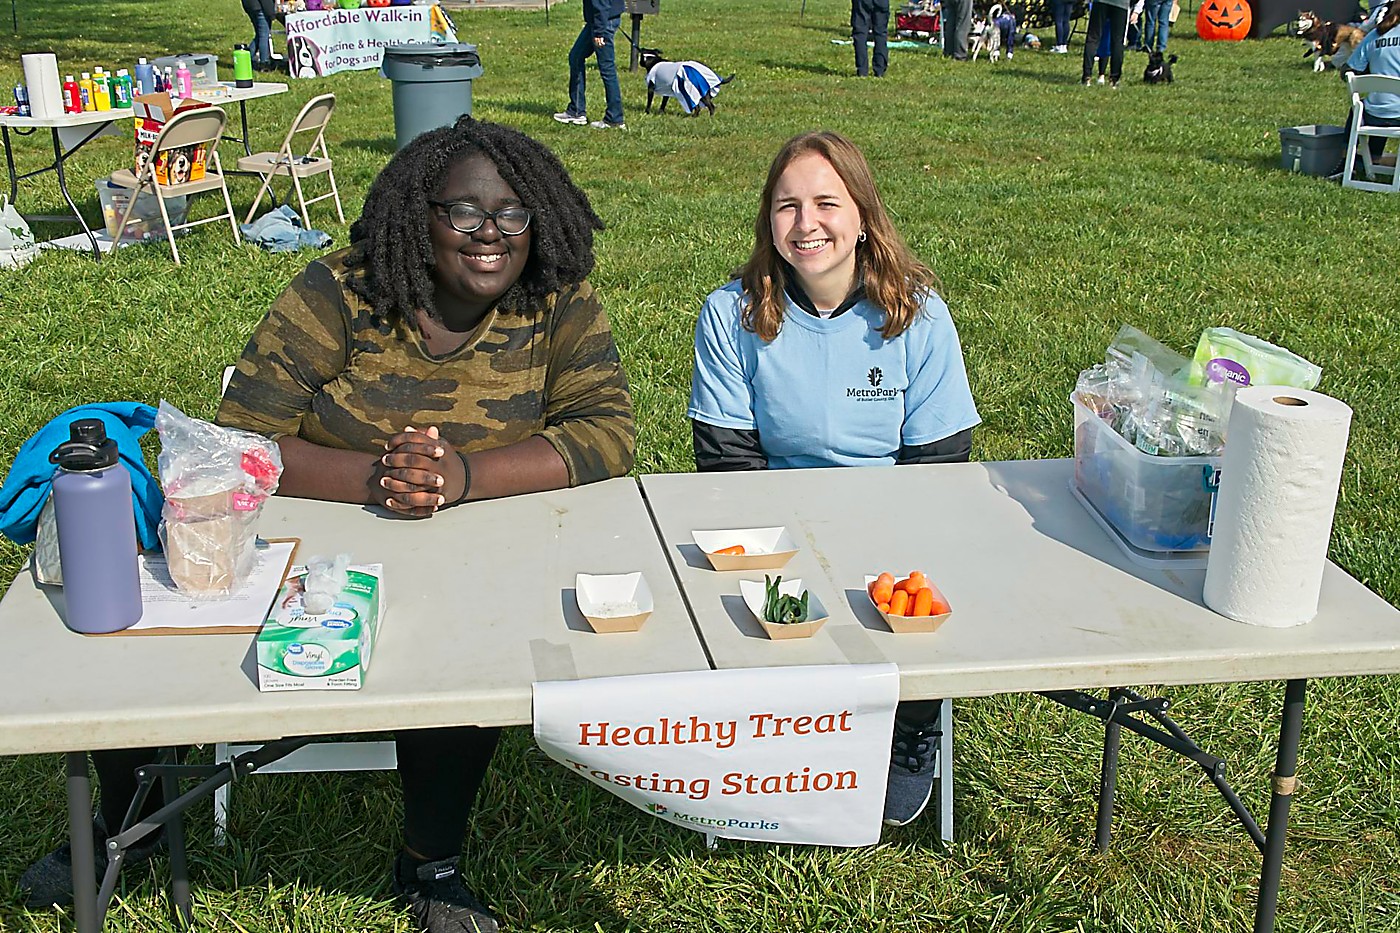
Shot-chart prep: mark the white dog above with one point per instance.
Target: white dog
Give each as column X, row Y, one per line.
column 986, row 35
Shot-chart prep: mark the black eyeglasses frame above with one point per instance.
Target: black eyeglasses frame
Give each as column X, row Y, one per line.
column 486, row 215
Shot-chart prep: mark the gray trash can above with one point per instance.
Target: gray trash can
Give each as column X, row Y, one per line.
column 432, row 85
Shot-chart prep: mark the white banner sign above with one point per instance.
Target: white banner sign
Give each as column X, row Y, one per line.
column 789, row 754
column 327, row 41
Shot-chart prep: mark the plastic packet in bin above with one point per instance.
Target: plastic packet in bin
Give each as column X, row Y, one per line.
column 215, row 480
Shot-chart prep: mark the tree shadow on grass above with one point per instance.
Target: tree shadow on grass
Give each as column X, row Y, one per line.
column 809, row 67
column 528, row 108
column 1068, row 78
column 382, row 145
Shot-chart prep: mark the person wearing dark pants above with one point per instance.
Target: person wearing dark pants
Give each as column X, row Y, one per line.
column 957, row 26
column 1110, row 16
column 600, row 21
column 870, row 17
column 1061, row 10
column 261, row 14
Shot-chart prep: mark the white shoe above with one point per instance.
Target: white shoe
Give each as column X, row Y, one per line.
column 1008, row 56
column 566, row 117
column 1101, row 79
column 1060, row 49
column 605, row 125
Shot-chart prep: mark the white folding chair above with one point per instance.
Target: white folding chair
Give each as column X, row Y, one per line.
column 318, row 756
column 1359, row 139
column 188, row 129
column 297, row 160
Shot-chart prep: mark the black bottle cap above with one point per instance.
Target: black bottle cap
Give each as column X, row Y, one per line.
column 88, row 447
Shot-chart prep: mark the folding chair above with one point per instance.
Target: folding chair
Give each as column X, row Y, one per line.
column 1360, row 86
column 187, row 129
column 318, row 756
column 298, row 162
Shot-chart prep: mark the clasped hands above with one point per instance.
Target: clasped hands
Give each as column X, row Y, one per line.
column 419, row 473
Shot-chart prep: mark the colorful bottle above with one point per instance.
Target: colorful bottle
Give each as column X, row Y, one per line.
column 121, row 90
column 102, row 85
column 242, row 66
column 145, row 77
column 22, row 100
column 96, row 531
column 88, row 91
column 183, row 79
column 72, row 97
column 169, row 79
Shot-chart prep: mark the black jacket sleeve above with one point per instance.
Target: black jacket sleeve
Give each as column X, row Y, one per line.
column 956, row 448
column 724, row 450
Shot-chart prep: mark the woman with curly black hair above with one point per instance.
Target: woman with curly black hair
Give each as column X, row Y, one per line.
column 454, row 351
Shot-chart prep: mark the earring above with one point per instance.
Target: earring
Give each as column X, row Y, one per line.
column 860, row 238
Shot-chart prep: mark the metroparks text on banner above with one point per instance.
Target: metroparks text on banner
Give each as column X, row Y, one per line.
column 790, row 754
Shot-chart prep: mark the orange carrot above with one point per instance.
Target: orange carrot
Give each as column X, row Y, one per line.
column 883, row 607
column 919, row 581
column 923, row 602
column 899, row 602
column 732, row 549
column 883, row 588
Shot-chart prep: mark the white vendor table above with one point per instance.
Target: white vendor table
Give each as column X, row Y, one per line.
column 479, row 605
column 72, row 131
column 1042, row 599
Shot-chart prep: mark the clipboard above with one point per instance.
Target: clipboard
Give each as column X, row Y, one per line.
column 166, row 611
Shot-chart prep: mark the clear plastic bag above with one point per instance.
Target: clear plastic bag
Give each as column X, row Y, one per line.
column 215, row 481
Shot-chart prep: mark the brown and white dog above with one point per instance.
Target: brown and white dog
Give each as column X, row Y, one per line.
column 1330, row 42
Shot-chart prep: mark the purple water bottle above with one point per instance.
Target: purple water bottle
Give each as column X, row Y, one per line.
column 96, row 531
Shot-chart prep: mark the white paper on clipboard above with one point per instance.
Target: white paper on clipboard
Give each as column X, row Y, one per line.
column 165, row 610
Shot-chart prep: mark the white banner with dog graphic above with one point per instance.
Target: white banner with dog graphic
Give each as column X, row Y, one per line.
column 326, row 41
column 789, row 754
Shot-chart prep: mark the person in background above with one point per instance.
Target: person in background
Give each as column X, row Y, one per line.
column 870, row 17
column 1111, row 17
column 832, row 299
column 600, row 21
column 1155, row 26
column 1378, row 54
column 1061, row 11
column 957, row 28
column 261, row 13
column 453, row 352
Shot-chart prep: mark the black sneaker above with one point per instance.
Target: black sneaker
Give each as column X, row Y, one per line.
column 49, row 881
column 913, row 761
column 437, row 898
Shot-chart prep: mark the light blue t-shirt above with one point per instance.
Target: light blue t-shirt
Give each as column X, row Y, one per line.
column 830, row 391
column 1380, row 55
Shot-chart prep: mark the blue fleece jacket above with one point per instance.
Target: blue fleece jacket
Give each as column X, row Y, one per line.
column 26, row 487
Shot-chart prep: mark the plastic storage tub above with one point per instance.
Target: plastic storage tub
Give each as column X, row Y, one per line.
column 145, row 223
column 1158, row 504
column 1313, row 149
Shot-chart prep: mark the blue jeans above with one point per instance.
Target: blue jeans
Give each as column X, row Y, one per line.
column 262, row 32
column 1061, row 9
column 607, row 70
column 1156, row 24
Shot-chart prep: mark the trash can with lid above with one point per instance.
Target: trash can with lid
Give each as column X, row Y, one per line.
column 432, row 85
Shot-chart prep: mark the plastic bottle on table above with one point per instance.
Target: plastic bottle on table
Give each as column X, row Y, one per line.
column 88, row 91
column 183, row 79
column 96, row 532
column 169, row 79
column 121, row 90
column 102, row 85
column 145, row 77
column 22, row 100
column 242, row 66
column 72, row 97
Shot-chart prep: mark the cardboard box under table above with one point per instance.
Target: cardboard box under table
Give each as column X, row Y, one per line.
column 175, row 166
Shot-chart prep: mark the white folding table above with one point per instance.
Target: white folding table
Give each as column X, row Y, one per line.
column 1043, row 601
column 479, row 606
column 72, row 131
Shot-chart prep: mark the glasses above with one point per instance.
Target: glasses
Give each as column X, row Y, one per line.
column 468, row 218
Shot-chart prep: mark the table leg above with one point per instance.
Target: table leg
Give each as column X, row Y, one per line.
column 63, row 187
column 243, row 119
column 81, row 844
column 175, row 839
column 1284, row 782
column 10, row 164
column 1108, row 778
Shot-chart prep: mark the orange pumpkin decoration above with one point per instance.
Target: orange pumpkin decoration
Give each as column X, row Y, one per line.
column 1224, row 20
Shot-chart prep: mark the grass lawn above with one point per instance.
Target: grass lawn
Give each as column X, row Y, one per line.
column 1052, row 212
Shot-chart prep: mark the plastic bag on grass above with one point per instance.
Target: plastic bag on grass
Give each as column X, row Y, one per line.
column 17, row 246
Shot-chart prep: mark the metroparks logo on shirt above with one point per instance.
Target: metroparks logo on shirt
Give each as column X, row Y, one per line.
column 875, row 393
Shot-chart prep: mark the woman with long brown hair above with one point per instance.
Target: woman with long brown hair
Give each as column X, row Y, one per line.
column 832, row 347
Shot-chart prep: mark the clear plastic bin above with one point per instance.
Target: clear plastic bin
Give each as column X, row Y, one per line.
column 1156, row 503
column 145, row 223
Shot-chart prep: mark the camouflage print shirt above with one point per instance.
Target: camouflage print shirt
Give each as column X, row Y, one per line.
column 324, row 367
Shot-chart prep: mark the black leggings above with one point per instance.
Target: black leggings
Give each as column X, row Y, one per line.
column 441, row 771
column 1115, row 20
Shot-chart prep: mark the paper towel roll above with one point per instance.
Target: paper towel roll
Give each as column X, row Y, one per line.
column 41, row 80
column 1273, row 516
